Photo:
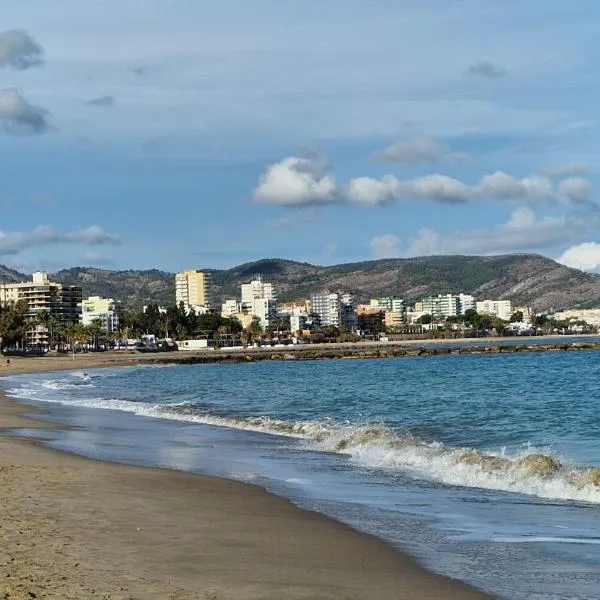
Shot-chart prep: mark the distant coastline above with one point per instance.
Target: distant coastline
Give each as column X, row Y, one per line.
column 357, row 351
column 339, row 351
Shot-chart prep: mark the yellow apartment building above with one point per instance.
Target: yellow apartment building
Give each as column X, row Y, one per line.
column 192, row 288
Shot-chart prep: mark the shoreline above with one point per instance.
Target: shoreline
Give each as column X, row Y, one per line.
column 167, row 534
column 346, row 351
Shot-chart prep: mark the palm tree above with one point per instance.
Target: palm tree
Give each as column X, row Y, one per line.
column 95, row 329
column 73, row 333
column 53, row 326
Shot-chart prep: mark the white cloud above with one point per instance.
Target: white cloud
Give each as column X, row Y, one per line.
column 300, row 181
column 295, row 182
column 522, row 232
column 421, row 150
column 18, row 117
column 385, row 246
column 19, row 50
column 564, row 170
column 367, row 191
column 18, row 241
column 501, row 186
column 486, row 68
column 575, row 189
column 585, row 257
column 426, row 244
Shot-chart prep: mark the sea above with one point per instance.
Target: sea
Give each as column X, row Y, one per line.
column 486, row 468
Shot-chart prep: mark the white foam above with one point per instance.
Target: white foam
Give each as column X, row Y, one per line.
column 58, row 384
column 543, row 539
column 376, row 446
column 80, row 375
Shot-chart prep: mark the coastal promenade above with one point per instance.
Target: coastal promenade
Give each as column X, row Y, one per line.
column 345, row 351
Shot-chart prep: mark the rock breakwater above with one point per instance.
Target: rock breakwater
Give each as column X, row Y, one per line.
column 361, row 352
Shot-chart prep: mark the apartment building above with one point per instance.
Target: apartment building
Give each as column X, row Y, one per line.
column 260, row 301
column 326, row 305
column 41, row 294
column 441, row 306
column 230, row 308
column 335, row 309
column 394, row 319
column 390, row 303
column 466, row 302
column 294, row 307
column 192, row 288
column 255, row 290
column 102, row 310
column 590, row 315
column 495, row 308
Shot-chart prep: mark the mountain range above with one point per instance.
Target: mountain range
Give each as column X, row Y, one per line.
column 526, row 279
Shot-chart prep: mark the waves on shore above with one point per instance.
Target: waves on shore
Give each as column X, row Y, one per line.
column 373, row 446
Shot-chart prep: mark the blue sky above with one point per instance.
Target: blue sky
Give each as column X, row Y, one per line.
column 141, row 133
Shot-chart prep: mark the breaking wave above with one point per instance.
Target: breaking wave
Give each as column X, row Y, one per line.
column 378, row 446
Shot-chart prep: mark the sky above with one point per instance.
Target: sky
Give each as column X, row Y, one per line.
column 204, row 134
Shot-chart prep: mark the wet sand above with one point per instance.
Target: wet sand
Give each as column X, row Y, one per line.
column 72, row 527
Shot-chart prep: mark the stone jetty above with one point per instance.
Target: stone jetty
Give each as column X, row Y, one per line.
column 359, row 351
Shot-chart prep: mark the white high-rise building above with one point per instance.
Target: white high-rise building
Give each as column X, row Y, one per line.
column 390, row 303
column 257, row 288
column 259, row 300
column 265, row 309
column 466, row 302
column 327, row 307
column 441, row 306
column 495, row 308
column 334, row 309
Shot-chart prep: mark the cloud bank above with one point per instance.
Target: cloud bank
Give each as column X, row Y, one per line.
column 19, row 50
column 303, row 181
column 15, row 242
column 585, row 257
column 19, row 117
column 522, row 232
column 564, row 169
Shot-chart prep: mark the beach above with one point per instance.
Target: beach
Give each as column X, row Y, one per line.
column 351, row 350
column 72, row 527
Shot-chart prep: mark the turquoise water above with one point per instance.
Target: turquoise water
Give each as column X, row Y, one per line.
column 481, row 466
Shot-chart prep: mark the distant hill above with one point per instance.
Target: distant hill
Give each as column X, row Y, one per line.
column 523, row 278
column 8, row 275
column 132, row 288
column 526, row 279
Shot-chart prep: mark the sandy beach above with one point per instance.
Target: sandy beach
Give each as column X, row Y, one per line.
column 368, row 349
column 71, row 527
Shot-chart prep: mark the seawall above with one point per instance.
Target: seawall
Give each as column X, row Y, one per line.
column 350, row 352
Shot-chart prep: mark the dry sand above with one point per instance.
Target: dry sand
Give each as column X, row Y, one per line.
column 74, row 528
